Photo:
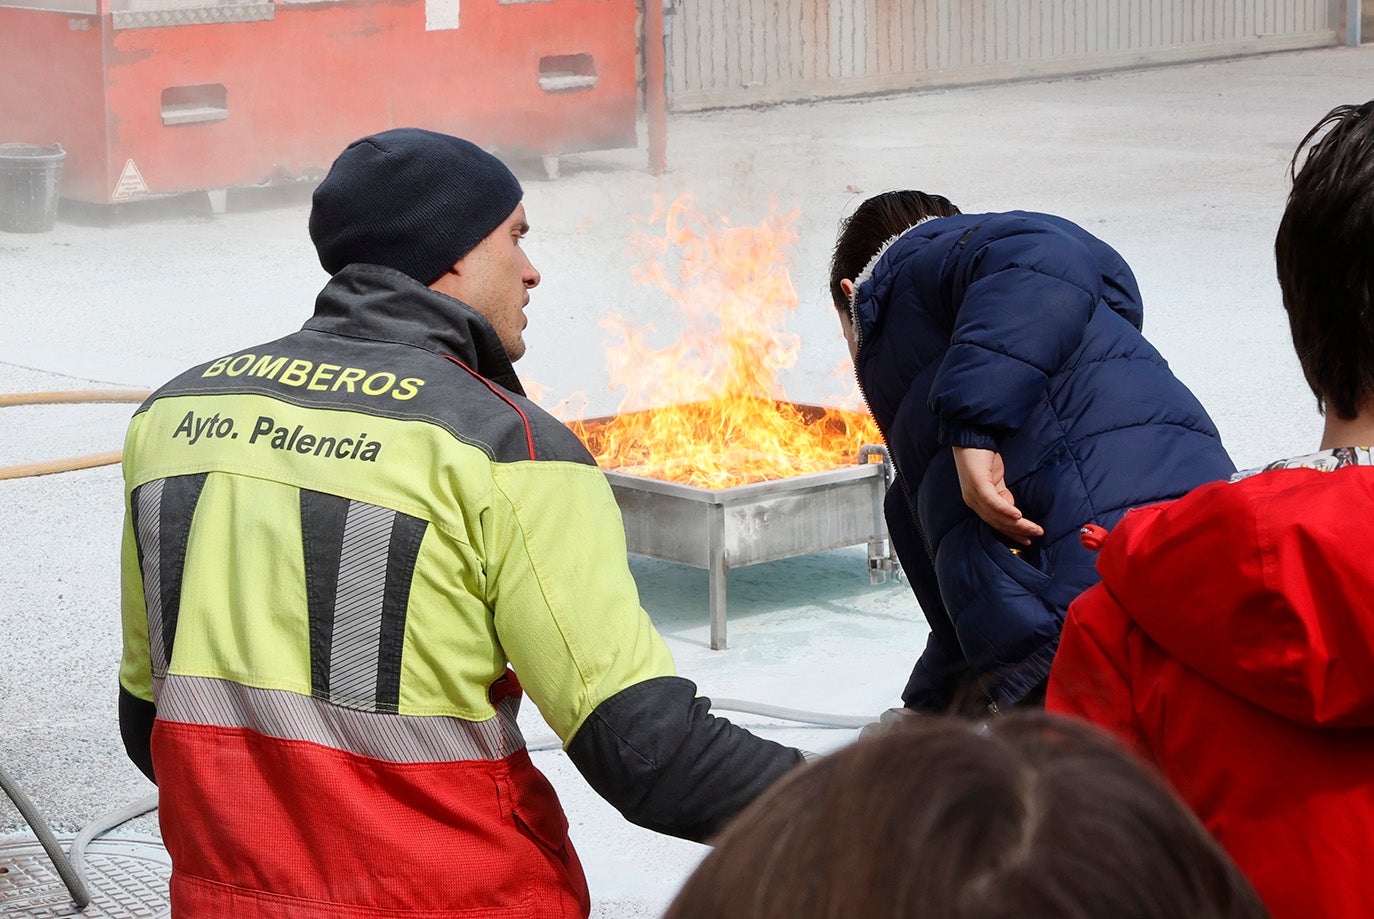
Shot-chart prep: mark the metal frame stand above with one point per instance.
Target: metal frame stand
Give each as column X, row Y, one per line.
column 716, row 542
column 881, row 559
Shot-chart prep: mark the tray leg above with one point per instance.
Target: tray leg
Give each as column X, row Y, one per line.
column 716, row 545
column 878, row 562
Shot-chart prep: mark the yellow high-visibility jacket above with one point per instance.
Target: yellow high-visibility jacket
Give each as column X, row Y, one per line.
column 335, row 546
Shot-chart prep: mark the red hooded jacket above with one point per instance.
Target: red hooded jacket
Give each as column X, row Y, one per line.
column 1231, row 642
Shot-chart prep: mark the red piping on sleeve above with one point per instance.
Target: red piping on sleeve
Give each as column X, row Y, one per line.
column 529, row 432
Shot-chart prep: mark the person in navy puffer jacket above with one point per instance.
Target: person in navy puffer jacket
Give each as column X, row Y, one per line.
column 1002, row 357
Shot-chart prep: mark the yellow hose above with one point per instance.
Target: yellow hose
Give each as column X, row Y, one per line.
column 24, row 470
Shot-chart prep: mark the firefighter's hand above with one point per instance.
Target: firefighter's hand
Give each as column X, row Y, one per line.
column 982, row 479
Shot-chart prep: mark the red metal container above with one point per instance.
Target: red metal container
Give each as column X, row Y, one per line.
column 153, row 97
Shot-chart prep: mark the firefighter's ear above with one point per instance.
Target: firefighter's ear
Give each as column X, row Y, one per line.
column 446, row 282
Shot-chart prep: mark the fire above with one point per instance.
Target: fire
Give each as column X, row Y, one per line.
column 719, row 417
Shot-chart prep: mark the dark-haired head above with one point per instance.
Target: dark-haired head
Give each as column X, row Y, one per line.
column 1032, row 817
column 873, row 223
column 1325, row 257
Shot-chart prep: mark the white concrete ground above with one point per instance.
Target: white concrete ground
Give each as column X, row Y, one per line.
column 1182, row 169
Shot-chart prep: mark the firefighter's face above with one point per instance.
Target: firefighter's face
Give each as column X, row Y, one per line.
column 495, row 279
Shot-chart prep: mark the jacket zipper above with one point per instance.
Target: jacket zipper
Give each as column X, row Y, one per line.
column 992, row 707
column 901, row 480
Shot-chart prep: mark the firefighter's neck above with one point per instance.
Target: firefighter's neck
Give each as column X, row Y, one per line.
column 1349, row 432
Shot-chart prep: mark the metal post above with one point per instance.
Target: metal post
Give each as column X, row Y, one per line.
column 882, row 557
column 715, row 543
column 1353, row 13
column 878, row 551
column 655, row 92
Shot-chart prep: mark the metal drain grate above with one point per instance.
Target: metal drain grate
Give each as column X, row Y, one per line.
column 126, row 876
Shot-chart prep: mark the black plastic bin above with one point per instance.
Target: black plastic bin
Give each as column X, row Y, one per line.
column 30, row 175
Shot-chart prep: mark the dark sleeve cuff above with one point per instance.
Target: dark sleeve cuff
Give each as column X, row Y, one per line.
column 957, row 434
column 136, row 728
column 655, row 752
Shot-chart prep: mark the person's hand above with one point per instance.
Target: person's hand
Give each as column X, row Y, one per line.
column 982, row 479
column 886, row 722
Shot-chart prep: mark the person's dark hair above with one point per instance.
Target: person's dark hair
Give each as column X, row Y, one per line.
column 1032, row 817
column 873, row 223
column 1325, row 256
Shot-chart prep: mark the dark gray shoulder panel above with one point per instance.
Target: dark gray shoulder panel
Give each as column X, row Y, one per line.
column 317, row 369
column 553, row 440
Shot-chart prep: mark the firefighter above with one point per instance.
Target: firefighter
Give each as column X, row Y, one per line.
column 348, row 552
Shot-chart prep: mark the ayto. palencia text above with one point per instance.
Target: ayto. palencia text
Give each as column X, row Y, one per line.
column 266, row 432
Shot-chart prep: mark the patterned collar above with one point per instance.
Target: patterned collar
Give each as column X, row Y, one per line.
column 1322, row 461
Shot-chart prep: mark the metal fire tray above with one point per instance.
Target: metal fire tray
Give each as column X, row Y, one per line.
column 719, row 529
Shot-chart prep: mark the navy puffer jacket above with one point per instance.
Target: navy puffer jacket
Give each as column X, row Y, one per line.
column 1020, row 333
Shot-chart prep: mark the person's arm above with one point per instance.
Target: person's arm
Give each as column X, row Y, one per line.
column 136, row 708
column 568, row 614
column 1022, row 303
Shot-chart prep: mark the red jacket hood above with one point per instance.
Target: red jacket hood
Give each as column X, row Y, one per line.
column 1265, row 586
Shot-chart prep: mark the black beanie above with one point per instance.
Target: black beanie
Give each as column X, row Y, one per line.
column 410, row 199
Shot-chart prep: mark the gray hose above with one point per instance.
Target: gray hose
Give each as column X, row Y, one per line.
column 821, row 719
column 102, row 825
column 793, row 714
column 70, row 876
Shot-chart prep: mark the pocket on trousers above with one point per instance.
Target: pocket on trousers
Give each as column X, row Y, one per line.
column 537, row 813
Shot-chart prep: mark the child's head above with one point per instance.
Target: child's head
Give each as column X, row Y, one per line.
column 1030, row 817
column 1325, row 255
column 873, row 223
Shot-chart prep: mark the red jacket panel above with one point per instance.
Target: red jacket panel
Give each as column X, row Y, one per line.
column 347, row 829
column 1231, row 642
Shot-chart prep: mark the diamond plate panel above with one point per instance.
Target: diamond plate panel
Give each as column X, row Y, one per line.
column 127, row 878
column 192, row 16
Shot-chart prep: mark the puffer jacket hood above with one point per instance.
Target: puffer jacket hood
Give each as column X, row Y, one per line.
column 1279, row 585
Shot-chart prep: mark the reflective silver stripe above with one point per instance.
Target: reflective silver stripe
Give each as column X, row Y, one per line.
column 150, row 546
column 293, row 716
column 354, row 654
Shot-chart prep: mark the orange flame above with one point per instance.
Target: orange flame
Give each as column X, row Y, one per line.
column 719, row 417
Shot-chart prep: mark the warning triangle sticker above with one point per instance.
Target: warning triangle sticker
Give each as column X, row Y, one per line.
column 130, row 183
